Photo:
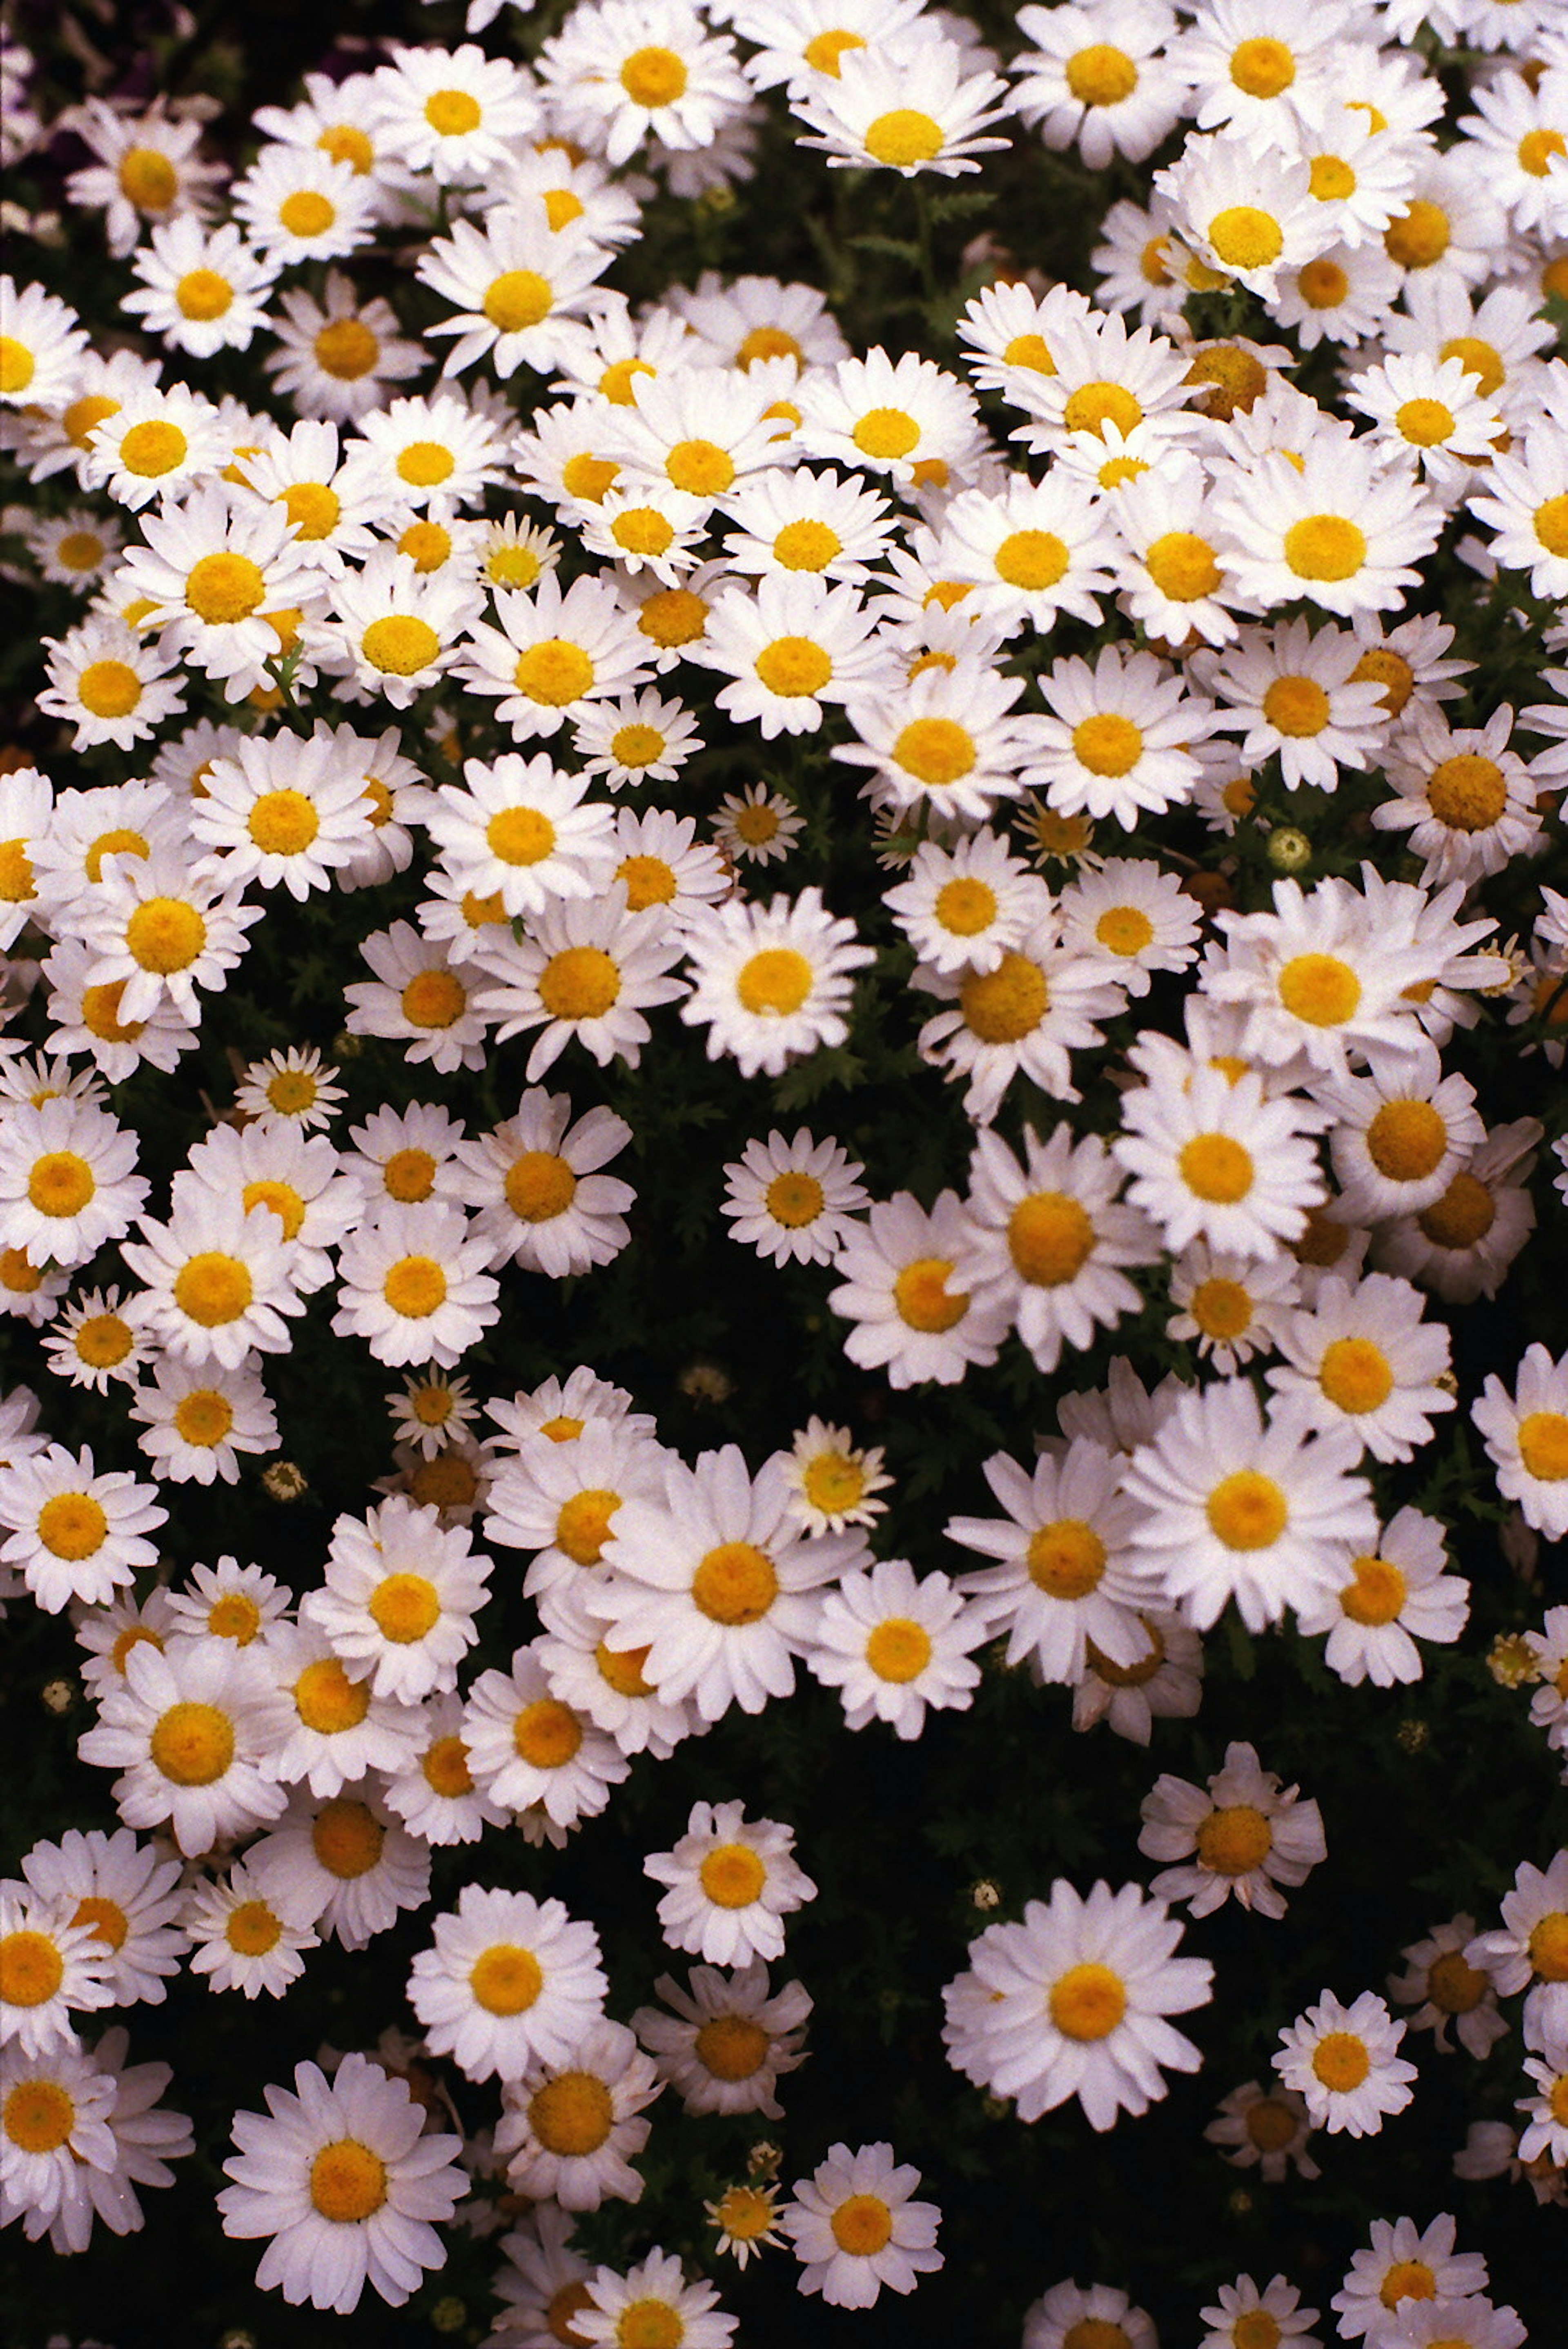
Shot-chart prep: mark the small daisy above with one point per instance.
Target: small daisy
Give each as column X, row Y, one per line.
column 67, row 1183
column 1266, row 2129
column 521, row 829
column 1443, row 1987
column 401, row 1596
column 1291, row 694
column 1247, row 2318
column 203, row 290
column 112, row 685
column 964, row 906
column 944, row 745
column 336, row 355
column 529, row 1750
column 771, row 982
column 833, row 1481
column 904, row 418
column 190, row 1728
column 242, row 1941
column 217, row 1279
column 1343, row 531
column 1405, row 2263
column 199, row 1418
column 98, row 1340
column 1362, row 1357
column 757, row 825
column 51, row 1967
column 345, row 1864
column 894, row 1645
column 1342, row 2061
column 300, row 204
column 1072, row 2001
column 1526, row 1439
column 414, row 1286
column 429, row 999
column 638, row 738
column 1094, row 79
column 746, row 2218
column 585, row 970
column 293, row 1087
column 1050, row 1239
column 73, row 1534
column 554, row 654
column 854, row 2227
column 732, row 1882
column 1165, row 1681
column 620, row 75
column 570, row 2131
column 908, row 106
column 391, row 630
column 229, row 1601
column 154, row 443
column 510, row 1980
column 653, row 2297
column 794, row 1201
column 1023, row 1018
column 1069, row 2314
column 1467, row 803
column 905, row 1316
column 435, row 1795
column 1140, row 918
column 344, row 2181
column 282, row 809
column 513, row 284
column 729, row 2038
column 1243, row 1835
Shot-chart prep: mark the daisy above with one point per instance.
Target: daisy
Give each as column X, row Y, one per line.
column 560, row 1500
column 429, row 1000
column 1050, row 1240
column 1444, row 1987
column 154, row 444
column 1072, row 2001
column 41, row 346
column 620, row 75
column 1243, row 1835
column 1293, row 695
column 510, row 1980
column 291, row 1088
column 1141, row 918
column 435, row 1795
column 67, row 1183
column 204, row 291
column 833, row 1481
column 1247, row 212
column 746, row 2218
column 73, row 1534
column 806, row 521
column 74, row 549
column 513, row 284
column 1165, row 1681
column 1405, row 2263
column 345, row 1864
column 855, row 2227
column 240, row 1940
column 585, row 968
column 1321, row 976
column 213, row 576
column 542, row 1202
column 729, row 2038
column 661, row 862
column 732, row 1883
column 1065, row 1573
column 1342, row 294
column 1024, row 1018
column 229, row 1601
column 554, row 654
column 344, row 2180
column 1531, row 1947
column 1358, row 1356
column 894, row 1644
column 963, row 907
column 414, row 1286
column 909, row 106
column 337, row 1729
column 522, row 831
column 1175, row 574
column 190, row 1728
column 1237, row 1508
column 906, row 418
column 337, row 355
column 282, row 809
column 1400, row 1137
column 1032, row 552
column 1245, row 2316
column 50, row 1969
column 198, row 1419
column 98, row 1340
column 905, row 1318
column 217, row 1279
column 1343, row 531
column 1430, row 407
column 942, row 744
column 604, row 1682
column 561, row 1409
column 1467, row 802
column 55, row 2135
column 1342, row 2061
column 794, row 648
column 527, row 1749
column 390, row 630
column 1264, row 2130
column 1069, row 2313
column 771, row 982
column 570, row 2131
column 638, row 738
column 1526, row 1439
column 401, row 1596
column 653, row 2296
column 793, row 1201
column 111, row 684
column 1094, row 78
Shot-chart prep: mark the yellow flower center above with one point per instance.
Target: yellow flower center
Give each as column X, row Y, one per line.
column 1406, row 1140
column 1255, row 2328
column 306, row 212
column 675, row 616
column 1097, row 2332
column 1319, row 989
column 104, row 1340
column 517, row 299
column 1094, row 405
column 348, row 2182
column 645, row 2324
column 452, row 113
column 774, row 983
column 1354, row 1375
column 807, row 546
column 1269, row 2125
column 1216, row 1167
column 923, row 1299
column 1066, row 1559
column 1220, row 1307
column 1467, row 792
column 1101, row 75
column 1551, row 526
column 203, row 294
column 398, row 644
column 1246, row 238
column 1108, row 743
column 60, row 1184
column 1087, row 2001
column 1296, row 706
column 539, row 1186
column 1032, row 560
column 731, row 2047
column 347, row 1839
column 1374, row 1593
column 445, row 1769
column 1543, row 1446
column 234, row 1615
column 283, row 823
column 936, row 751
column 72, row 1525
column 898, row 1649
column 346, row 143
column 346, row 349
column 642, row 530
column 1247, row 1510
column 147, row 179
column 1182, row 566
column 862, row 2225
column 410, row 1175
column 415, row 1286
column 732, row 1876
column 204, row 1418
column 792, row 666
column 223, row 588
column 1326, row 547
column 327, row 1700
column 1549, row 1946
column 1322, row 284
column 701, row 467
column 1538, row 150
column 1464, row 1214
column 1050, row 1237
column 822, row 52
column 212, row 1288
column 1263, row 67
column 582, row 1527
column 31, row 1969
column 253, row 1929
column 1340, row 2061
column 193, row 1745
column 767, row 343
column 506, row 1980
column 904, row 138
column 734, row 1584
column 554, row 672
column 38, row 2115
column 965, row 907
column 1124, row 929
column 886, row 432
column 571, row 2115
column 404, row 1606
column 312, row 507
column 1003, row 1005
column 653, row 77
column 1234, row 1840
column 152, row 448
column 579, row 983
column 635, row 745
column 621, row 1669
column 1424, row 422
column 1030, row 351
column 795, row 1199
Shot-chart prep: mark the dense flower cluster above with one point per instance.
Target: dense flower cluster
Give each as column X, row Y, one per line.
column 1128, row 689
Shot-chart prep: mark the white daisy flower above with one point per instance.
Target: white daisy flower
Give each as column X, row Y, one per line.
column 412, row 1284
column 345, row 1864
column 732, row 1884
column 1026, row 1018
column 555, row 653
column 570, row 2131
column 203, row 290
column 526, row 1748
column 1033, row 551
column 67, row 1183
column 214, row 577
column 1293, row 694
column 833, row 1481
column 1243, row 2314
column 1346, row 531
column 514, row 282
column 900, row 1293
column 400, row 1595
column 229, row 1601
column 1467, row 802
column 98, row 1340
column 190, row 1728
column 52, row 1965
column 791, row 650
column 964, row 905
column 344, row 2181
column 41, row 346
column 510, row 1980
column 217, row 1279
column 1243, row 1835
column 429, row 999
column 585, row 968
column 770, row 982
column 391, row 629
column 1098, row 78
column 72, row 1532
column 1050, row 1239
column 1264, row 2130
column 908, row 106
column 906, row 417
column 855, row 2227
column 1526, row 1439
column 655, row 2294
column 1072, row 2001
column 435, row 1795
column 894, row 1644
column 638, row 738
column 1069, row 2309
column 1164, row 1682
column 300, row 204
column 1342, row 2061
column 110, row 685
column 942, row 742
column 241, row 1940
column 199, row 1418
column 154, row 443
column 1140, row 918
column 620, row 74
column 337, row 355
column 729, row 2038
column 523, row 830
column 1445, row 1988
column 1229, row 1307
column 146, row 168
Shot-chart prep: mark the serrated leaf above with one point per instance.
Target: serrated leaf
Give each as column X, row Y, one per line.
column 895, row 248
